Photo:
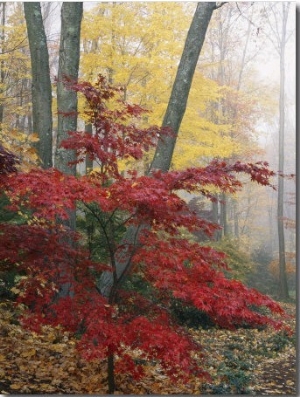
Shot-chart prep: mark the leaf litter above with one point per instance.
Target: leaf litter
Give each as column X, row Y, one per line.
column 245, row 361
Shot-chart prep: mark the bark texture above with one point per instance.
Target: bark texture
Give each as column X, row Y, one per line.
column 69, row 54
column 41, row 83
column 182, row 84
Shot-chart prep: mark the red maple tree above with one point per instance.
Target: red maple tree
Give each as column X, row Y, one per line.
column 167, row 266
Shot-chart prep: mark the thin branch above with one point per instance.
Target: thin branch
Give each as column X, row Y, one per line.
column 221, row 4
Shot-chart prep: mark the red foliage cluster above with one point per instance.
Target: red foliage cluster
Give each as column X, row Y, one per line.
column 50, row 257
column 115, row 135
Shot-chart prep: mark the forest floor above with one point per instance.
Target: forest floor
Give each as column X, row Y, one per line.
column 241, row 362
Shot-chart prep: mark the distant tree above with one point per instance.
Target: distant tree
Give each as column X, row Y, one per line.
column 15, row 88
column 276, row 17
column 227, row 47
column 281, row 42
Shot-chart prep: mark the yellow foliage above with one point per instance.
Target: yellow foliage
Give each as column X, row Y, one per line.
column 15, row 71
column 138, row 46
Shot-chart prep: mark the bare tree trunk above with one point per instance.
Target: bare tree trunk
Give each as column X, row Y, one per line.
column 279, row 40
column 69, row 53
column 283, row 286
column 223, row 214
column 215, row 213
column 41, row 83
column 111, row 374
column 182, row 84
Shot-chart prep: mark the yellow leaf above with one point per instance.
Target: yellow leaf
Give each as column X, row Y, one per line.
column 15, row 386
column 28, row 353
column 59, row 348
column 15, row 290
column 33, row 138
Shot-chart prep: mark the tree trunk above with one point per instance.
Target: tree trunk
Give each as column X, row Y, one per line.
column 69, row 53
column 283, row 286
column 174, row 114
column 41, row 83
column 182, row 84
column 111, row 374
column 223, row 215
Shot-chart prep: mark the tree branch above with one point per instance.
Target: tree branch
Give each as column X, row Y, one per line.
column 221, row 4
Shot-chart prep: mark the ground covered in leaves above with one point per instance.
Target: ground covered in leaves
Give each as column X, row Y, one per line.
column 240, row 362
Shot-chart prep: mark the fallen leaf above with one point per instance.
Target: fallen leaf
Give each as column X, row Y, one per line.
column 15, row 386
column 28, row 353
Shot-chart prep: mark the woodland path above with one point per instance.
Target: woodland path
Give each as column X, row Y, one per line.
column 278, row 377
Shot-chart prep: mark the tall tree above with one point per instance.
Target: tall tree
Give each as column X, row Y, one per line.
column 277, row 17
column 282, row 39
column 69, row 54
column 41, row 83
column 15, row 65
